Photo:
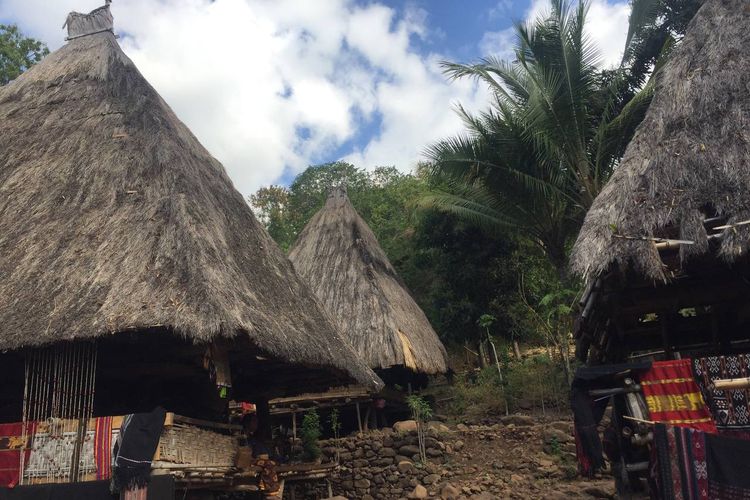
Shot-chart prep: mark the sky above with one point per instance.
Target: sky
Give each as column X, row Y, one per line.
column 272, row 86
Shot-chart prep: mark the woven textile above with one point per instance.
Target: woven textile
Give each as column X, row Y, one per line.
column 103, row 447
column 730, row 408
column 681, row 463
column 694, row 465
column 11, row 444
column 673, row 397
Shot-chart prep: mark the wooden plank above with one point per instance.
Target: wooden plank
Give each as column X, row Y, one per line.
column 206, row 423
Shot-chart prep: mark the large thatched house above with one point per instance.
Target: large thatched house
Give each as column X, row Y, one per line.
column 118, row 228
column 665, row 318
column 339, row 256
column 664, row 247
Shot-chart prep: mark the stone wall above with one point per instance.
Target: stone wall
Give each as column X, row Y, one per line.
column 383, row 464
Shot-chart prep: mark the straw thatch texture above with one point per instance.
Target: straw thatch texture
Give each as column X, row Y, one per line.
column 114, row 218
column 689, row 157
column 339, row 256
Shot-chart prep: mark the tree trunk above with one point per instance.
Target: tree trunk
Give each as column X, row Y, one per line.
column 517, row 349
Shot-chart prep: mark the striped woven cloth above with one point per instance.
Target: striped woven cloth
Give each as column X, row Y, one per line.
column 673, row 397
column 103, row 447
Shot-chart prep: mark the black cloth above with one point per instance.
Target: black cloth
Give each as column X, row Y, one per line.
column 135, row 448
column 159, row 488
column 728, row 467
column 588, row 412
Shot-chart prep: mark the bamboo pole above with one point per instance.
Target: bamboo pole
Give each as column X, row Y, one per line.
column 359, row 417
column 732, row 383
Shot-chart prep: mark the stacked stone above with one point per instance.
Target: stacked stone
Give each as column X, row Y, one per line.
column 385, row 463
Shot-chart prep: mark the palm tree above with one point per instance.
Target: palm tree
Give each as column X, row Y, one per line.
column 555, row 129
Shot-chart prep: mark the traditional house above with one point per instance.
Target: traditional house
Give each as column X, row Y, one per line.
column 663, row 248
column 340, row 258
column 664, row 254
column 132, row 273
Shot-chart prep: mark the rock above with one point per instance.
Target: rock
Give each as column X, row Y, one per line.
column 458, row 445
column 387, row 452
column 556, row 496
column 368, row 497
column 408, row 450
column 597, row 492
column 482, row 496
column 552, row 435
column 519, row 420
column 405, row 426
column 439, row 427
column 362, row 483
column 434, row 452
column 462, row 428
column 337, row 497
column 419, row 492
column 406, row 467
column 431, row 479
column 449, row 492
column 563, row 426
column 515, row 478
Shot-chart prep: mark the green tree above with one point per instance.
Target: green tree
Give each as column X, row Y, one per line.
column 17, row 52
column 270, row 205
column 655, row 27
column 556, row 128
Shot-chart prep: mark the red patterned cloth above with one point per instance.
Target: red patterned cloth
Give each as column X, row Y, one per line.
column 681, row 468
column 673, row 397
column 11, row 444
column 103, row 447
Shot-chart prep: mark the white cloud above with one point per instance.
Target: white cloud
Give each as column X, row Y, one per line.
column 271, row 86
column 606, row 25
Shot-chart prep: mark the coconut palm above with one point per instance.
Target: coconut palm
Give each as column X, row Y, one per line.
column 555, row 129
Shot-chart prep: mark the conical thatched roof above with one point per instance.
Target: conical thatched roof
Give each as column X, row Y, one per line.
column 339, row 256
column 114, row 218
column 690, row 158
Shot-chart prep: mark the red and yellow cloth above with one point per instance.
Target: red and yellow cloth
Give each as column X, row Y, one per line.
column 673, row 397
column 103, row 447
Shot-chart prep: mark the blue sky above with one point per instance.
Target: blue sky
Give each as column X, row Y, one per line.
column 272, row 86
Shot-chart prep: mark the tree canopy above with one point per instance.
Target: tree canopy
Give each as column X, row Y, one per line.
column 17, row 52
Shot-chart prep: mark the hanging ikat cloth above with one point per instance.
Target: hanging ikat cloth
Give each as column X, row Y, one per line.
column 673, row 397
column 730, row 407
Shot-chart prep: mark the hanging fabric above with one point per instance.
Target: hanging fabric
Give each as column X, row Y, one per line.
column 690, row 464
column 103, row 447
column 730, row 407
column 135, row 448
column 673, row 397
column 13, row 442
column 216, row 362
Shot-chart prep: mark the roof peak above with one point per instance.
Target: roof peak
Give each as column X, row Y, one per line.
column 96, row 21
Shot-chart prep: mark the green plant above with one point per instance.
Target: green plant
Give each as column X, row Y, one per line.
column 421, row 413
column 335, row 429
column 310, row 433
column 555, row 447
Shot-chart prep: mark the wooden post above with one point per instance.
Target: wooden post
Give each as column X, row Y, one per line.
column 367, row 418
column 294, row 426
column 359, row 417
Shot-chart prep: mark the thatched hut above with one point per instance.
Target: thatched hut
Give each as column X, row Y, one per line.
column 664, row 247
column 119, row 229
column 339, row 256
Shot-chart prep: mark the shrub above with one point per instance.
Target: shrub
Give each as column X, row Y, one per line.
column 310, row 434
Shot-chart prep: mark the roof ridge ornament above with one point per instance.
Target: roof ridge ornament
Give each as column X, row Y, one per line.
column 98, row 20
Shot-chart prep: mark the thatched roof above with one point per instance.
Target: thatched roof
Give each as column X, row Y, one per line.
column 114, row 218
column 339, row 256
column 689, row 159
